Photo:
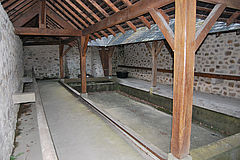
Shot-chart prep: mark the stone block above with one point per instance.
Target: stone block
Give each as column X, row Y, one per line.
column 23, row 97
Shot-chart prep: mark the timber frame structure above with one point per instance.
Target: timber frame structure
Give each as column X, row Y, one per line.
column 74, row 22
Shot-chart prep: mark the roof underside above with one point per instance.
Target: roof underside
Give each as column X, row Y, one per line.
column 144, row 34
column 82, row 14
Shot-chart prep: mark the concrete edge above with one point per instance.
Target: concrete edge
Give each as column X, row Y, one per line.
column 216, row 148
column 47, row 145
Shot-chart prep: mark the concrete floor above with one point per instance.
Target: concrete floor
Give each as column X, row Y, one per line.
column 149, row 123
column 77, row 132
column 217, row 103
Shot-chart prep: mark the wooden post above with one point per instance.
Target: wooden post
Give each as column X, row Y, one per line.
column 61, row 47
column 42, row 14
column 154, row 50
column 110, row 54
column 82, row 46
column 184, row 54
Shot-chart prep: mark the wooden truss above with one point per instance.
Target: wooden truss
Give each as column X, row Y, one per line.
column 74, row 22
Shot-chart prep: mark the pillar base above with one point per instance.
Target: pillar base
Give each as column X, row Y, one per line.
column 171, row 157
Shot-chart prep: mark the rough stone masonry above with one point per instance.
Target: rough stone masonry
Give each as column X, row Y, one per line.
column 45, row 60
column 217, row 55
column 11, row 73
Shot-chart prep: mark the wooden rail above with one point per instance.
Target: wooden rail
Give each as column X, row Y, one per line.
column 197, row 74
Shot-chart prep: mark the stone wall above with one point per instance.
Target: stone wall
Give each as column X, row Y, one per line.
column 45, row 60
column 11, row 72
column 217, row 55
column 117, row 59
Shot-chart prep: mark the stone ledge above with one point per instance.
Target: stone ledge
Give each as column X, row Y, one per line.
column 27, row 80
column 23, row 97
column 226, row 148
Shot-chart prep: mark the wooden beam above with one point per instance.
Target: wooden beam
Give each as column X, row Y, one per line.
column 142, row 18
column 69, row 40
column 229, row 3
column 61, row 48
column 58, row 19
column 185, row 22
column 82, row 13
column 115, row 9
column 42, row 14
column 72, row 15
column 82, row 46
column 92, row 37
column 100, row 9
column 95, row 16
column 148, row 47
column 96, row 34
column 60, row 14
column 196, row 74
column 41, row 43
column 26, row 31
column 145, row 21
column 154, row 50
column 163, row 26
column 20, row 10
column 165, row 16
column 208, row 23
column 159, row 48
column 8, row 3
column 233, row 17
column 26, row 16
column 136, row 10
column 14, row 5
column 67, row 50
column 104, row 33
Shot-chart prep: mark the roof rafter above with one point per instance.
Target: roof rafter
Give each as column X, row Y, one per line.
column 8, row 3
column 136, row 10
column 61, row 15
column 115, row 9
column 100, row 9
column 142, row 18
column 27, row 16
column 85, row 16
column 13, row 16
column 229, row 3
column 58, row 19
column 233, row 17
column 82, row 13
column 14, row 5
column 72, row 14
column 96, row 17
